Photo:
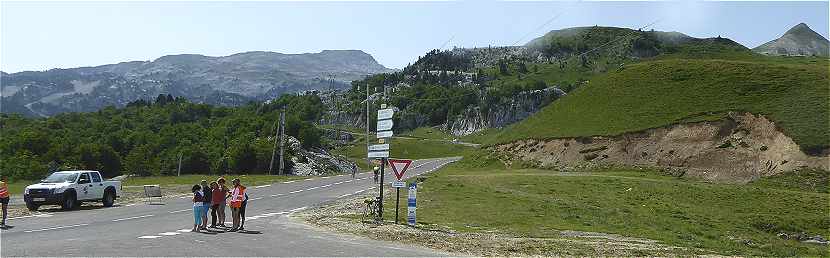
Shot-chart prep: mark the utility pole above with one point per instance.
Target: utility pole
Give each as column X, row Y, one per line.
column 274, row 151
column 282, row 140
column 368, row 161
column 179, row 170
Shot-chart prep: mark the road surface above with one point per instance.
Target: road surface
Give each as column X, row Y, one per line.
column 160, row 230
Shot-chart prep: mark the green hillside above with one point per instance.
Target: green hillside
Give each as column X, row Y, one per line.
column 793, row 93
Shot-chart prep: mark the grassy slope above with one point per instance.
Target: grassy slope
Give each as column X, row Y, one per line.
column 656, row 93
column 726, row 219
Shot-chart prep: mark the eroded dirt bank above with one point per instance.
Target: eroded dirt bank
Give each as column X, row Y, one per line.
column 739, row 149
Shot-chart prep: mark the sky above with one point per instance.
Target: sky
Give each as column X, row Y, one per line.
column 37, row 36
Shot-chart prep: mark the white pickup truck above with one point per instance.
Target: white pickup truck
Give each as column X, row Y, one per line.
column 70, row 188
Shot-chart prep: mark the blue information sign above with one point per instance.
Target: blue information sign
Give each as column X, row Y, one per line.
column 411, row 203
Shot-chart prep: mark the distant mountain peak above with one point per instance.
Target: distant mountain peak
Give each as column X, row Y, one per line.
column 799, row 40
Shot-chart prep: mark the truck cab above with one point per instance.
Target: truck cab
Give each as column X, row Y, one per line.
column 71, row 188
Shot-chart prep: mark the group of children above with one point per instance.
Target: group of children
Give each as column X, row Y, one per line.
column 213, row 198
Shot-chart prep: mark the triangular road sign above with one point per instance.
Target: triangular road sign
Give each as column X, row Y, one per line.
column 399, row 166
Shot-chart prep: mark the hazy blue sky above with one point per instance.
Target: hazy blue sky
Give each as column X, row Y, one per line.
column 39, row 36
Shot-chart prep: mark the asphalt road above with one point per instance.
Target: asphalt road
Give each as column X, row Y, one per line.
column 159, row 230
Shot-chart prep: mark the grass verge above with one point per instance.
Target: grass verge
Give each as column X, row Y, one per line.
column 723, row 218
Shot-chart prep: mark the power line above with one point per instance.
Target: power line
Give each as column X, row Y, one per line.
column 538, row 28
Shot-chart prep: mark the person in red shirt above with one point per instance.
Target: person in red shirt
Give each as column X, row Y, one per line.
column 217, row 198
column 4, row 198
column 220, row 211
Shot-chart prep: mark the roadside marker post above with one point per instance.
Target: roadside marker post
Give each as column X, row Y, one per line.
column 399, row 166
column 411, row 204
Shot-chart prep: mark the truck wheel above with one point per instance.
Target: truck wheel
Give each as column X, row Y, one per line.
column 70, row 201
column 109, row 198
column 32, row 206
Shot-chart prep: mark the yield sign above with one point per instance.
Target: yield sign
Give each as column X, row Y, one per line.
column 399, row 166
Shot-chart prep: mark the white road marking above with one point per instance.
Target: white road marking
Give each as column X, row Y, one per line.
column 128, row 205
column 53, row 228
column 254, row 199
column 261, row 186
column 42, row 215
column 325, row 177
column 338, row 183
column 169, row 233
column 180, row 211
column 359, row 191
column 345, row 195
column 324, row 186
column 288, row 182
column 136, row 217
column 184, row 197
column 298, row 209
column 297, row 191
column 277, row 195
column 148, row 237
column 183, row 230
column 308, row 179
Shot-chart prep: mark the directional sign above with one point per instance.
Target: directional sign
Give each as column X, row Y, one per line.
column 384, row 125
column 411, row 204
column 378, row 154
column 399, row 184
column 399, row 166
column 384, row 134
column 379, row 147
column 385, row 113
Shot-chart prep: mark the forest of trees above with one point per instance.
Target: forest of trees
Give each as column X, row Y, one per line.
column 147, row 138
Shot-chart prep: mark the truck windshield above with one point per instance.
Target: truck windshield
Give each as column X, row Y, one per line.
column 60, row 177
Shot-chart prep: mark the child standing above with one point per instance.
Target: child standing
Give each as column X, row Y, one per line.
column 198, row 198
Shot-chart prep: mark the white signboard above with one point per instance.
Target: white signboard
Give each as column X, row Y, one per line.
column 399, row 184
column 379, row 147
column 385, row 113
column 384, row 125
column 384, row 134
column 378, row 154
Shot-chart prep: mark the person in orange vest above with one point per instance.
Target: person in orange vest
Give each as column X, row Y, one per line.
column 4, row 198
column 237, row 197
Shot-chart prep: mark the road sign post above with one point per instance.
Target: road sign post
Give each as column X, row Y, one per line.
column 399, row 166
column 381, row 151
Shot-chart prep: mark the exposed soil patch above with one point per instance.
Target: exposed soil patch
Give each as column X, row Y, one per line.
column 345, row 215
column 740, row 149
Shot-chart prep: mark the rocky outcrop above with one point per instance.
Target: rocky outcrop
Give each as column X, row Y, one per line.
column 515, row 109
column 799, row 40
column 315, row 162
column 740, row 149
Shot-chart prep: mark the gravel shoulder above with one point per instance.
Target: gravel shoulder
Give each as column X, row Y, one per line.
column 345, row 216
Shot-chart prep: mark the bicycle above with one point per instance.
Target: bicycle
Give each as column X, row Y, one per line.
column 371, row 209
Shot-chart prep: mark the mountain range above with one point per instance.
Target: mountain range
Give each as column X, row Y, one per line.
column 224, row 80
column 258, row 76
